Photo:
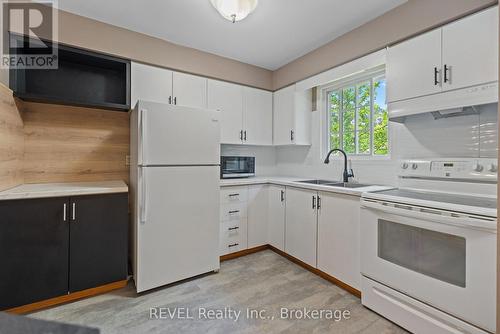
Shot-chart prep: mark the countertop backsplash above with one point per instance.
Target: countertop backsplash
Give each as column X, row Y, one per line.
column 420, row 136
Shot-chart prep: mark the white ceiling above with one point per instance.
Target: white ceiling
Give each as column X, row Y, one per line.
column 278, row 32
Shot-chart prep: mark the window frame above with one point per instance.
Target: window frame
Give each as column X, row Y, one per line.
column 353, row 80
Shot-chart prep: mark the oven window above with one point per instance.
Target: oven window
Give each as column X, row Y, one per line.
column 434, row 254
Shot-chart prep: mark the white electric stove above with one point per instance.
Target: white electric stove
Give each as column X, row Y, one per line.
column 428, row 248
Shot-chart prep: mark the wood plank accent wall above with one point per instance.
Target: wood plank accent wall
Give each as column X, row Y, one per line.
column 73, row 144
column 11, row 141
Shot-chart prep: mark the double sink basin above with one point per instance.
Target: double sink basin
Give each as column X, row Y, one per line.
column 330, row 183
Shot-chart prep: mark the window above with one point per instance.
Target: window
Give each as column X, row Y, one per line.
column 357, row 117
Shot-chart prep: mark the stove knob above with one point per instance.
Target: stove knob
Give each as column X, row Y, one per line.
column 492, row 168
column 404, row 165
column 476, row 167
column 414, row 166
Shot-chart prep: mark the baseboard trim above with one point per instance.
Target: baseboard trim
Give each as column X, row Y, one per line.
column 67, row 298
column 243, row 253
column 304, row 265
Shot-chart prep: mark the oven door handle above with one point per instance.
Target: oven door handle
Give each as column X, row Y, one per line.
column 435, row 215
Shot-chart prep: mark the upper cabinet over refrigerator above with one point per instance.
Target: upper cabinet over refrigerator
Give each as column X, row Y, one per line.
column 156, row 84
column 174, row 135
column 450, row 67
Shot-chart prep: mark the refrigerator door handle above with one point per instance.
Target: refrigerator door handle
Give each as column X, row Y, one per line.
column 144, row 213
column 143, row 145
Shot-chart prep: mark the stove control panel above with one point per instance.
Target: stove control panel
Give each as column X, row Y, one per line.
column 466, row 168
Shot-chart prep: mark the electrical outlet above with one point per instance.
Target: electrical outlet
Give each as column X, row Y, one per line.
column 127, row 160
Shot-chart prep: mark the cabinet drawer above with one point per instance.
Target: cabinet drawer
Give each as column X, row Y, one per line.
column 233, row 195
column 233, row 211
column 233, row 237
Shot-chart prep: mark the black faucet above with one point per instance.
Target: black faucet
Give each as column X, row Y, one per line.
column 347, row 173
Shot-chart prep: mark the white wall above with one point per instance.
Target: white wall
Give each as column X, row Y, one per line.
column 420, row 136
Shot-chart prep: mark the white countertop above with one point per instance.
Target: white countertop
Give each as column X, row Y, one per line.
column 292, row 182
column 41, row 190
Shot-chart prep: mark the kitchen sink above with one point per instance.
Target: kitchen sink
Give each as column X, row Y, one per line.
column 324, row 182
column 348, row 185
column 330, row 183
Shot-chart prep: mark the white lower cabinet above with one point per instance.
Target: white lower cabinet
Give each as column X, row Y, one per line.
column 319, row 228
column 276, row 217
column 301, row 224
column 338, row 238
column 257, row 215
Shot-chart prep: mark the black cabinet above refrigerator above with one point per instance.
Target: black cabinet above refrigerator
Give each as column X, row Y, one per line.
column 82, row 78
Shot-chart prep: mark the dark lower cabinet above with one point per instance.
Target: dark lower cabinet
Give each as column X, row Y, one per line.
column 34, row 251
column 54, row 246
column 98, row 240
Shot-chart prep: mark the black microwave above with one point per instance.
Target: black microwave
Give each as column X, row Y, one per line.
column 234, row 167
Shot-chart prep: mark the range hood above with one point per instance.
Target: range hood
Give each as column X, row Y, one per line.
column 446, row 104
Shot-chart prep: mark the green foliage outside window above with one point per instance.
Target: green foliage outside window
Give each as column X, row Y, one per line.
column 357, row 118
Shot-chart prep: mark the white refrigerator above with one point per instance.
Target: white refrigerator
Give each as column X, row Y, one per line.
column 174, row 181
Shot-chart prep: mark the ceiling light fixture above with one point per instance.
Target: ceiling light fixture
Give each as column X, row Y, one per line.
column 234, row 10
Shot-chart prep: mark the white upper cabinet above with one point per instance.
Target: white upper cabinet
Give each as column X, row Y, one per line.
column 338, row 238
column 189, row 90
column 150, row 83
column 276, row 217
column 414, row 67
column 246, row 113
column 257, row 116
column 301, row 224
column 470, row 50
column 228, row 99
column 461, row 54
column 157, row 84
column 292, row 117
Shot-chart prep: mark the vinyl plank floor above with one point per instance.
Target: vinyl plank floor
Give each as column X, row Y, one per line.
column 263, row 281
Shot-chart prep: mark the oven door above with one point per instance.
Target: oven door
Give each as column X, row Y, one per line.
column 444, row 259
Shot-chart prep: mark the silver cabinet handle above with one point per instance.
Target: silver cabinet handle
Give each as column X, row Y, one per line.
column 175, row 100
column 170, row 100
column 319, row 202
column 314, row 202
column 64, row 212
column 241, row 135
column 291, row 135
column 245, row 135
column 232, row 245
column 233, row 228
column 73, row 211
column 233, row 211
column 234, row 195
column 282, row 195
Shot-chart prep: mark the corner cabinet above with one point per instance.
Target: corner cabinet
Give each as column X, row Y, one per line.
column 51, row 247
column 461, row 54
column 276, row 217
column 257, row 215
column 246, row 113
column 292, row 117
